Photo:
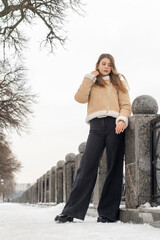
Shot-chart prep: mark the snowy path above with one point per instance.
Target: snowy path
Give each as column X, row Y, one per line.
column 31, row 222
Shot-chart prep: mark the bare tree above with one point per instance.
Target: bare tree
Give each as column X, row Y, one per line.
column 16, row 98
column 8, row 162
column 9, row 165
column 9, row 188
column 52, row 13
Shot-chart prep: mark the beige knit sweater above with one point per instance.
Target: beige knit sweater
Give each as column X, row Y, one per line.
column 105, row 101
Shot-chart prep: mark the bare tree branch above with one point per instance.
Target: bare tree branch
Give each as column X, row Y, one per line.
column 15, row 98
column 5, row 2
column 52, row 14
column 11, row 8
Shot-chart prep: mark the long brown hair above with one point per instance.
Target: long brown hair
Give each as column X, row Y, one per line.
column 114, row 75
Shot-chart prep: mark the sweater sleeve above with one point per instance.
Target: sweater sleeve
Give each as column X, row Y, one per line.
column 125, row 107
column 83, row 91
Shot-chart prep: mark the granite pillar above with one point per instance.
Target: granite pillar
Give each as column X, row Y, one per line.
column 39, row 189
column 138, row 160
column 138, row 152
column 29, row 195
column 52, row 185
column 69, row 173
column 46, row 191
column 78, row 157
column 60, row 183
column 35, row 198
column 42, row 188
column 32, row 194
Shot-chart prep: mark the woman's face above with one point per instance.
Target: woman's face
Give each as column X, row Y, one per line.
column 105, row 66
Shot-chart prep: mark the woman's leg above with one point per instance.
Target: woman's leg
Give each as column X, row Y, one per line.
column 111, row 193
column 80, row 196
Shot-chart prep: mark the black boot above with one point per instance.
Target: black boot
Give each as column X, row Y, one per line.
column 63, row 218
column 104, row 220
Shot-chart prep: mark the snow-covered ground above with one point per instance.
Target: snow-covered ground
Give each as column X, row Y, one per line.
column 33, row 222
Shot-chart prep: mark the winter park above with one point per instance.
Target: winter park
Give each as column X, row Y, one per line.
column 79, row 119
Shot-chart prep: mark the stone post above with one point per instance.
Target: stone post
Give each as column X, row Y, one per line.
column 137, row 152
column 52, row 185
column 69, row 173
column 42, row 188
column 32, row 193
column 60, row 183
column 35, row 193
column 78, row 157
column 25, row 197
column 29, row 195
column 46, row 187
column 39, row 189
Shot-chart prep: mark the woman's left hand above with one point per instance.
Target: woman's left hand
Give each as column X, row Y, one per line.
column 120, row 127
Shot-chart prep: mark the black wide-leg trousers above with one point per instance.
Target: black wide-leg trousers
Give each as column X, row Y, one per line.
column 101, row 134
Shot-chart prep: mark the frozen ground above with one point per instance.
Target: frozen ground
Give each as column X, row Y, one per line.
column 32, row 222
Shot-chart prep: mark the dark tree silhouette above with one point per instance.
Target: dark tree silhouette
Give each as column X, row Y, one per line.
column 15, row 98
column 52, row 14
column 8, row 162
column 9, row 165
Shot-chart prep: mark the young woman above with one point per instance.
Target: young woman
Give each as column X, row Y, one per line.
column 108, row 110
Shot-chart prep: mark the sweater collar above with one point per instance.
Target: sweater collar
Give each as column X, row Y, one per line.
column 106, row 77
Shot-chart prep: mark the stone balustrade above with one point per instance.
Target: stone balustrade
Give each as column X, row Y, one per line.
column 55, row 185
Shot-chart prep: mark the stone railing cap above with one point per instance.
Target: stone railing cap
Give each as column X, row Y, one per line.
column 82, row 147
column 60, row 163
column 70, row 157
column 48, row 172
column 53, row 169
column 144, row 104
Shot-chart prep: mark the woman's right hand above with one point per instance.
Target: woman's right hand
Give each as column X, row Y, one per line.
column 95, row 73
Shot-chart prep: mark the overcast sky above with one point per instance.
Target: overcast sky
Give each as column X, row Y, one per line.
column 127, row 29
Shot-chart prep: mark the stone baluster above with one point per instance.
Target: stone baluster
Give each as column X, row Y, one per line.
column 78, row 157
column 35, row 193
column 69, row 172
column 46, row 193
column 42, row 188
column 60, row 183
column 39, row 189
column 52, row 185
column 138, row 152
